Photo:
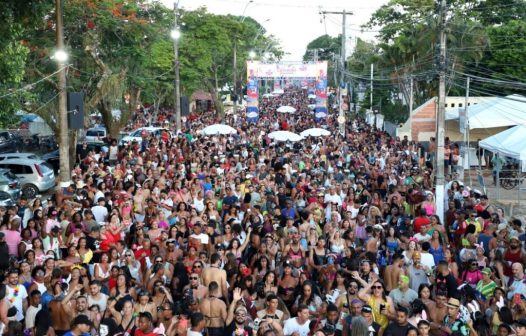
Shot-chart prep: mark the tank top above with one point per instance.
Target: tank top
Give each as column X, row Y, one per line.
column 511, row 258
column 377, row 316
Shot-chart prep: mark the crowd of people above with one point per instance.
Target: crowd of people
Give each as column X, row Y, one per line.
column 238, row 235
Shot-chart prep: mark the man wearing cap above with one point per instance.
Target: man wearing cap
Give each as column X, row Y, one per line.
column 416, row 272
column 400, row 325
column 486, row 286
column 513, row 254
column 81, row 325
column 452, row 322
column 520, row 327
column 237, row 316
column 403, row 295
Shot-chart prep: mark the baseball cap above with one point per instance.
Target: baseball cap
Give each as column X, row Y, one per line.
column 521, row 322
column 486, row 271
column 367, row 309
column 81, row 319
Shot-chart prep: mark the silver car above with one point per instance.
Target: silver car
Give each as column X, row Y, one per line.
column 36, row 176
column 9, row 188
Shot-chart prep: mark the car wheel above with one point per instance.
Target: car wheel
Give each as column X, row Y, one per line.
column 30, row 191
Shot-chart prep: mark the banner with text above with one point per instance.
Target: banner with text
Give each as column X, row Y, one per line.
column 321, row 91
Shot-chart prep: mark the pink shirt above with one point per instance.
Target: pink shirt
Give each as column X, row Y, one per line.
column 12, row 238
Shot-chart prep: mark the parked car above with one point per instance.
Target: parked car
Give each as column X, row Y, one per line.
column 53, row 158
column 8, row 142
column 96, row 134
column 28, row 156
column 36, row 176
column 137, row 134
column 10, row 185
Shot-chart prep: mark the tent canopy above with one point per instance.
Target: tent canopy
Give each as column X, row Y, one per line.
column 495, row 112
column 510, row 143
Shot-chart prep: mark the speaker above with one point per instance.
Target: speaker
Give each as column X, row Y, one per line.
column 185, row 106
column 76, row 110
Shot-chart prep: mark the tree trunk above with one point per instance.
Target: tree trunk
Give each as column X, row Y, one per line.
column 218, row 103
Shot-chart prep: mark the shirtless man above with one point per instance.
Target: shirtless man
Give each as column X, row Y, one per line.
column 199, row 291
column 392, row 272
column 217, row 275
column 80, row 306
column 437, row 315
column 214, row 311
column 60, row 320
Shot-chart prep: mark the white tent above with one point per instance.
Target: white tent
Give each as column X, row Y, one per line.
column 285, row 136
column 495, row 112
column 286, row 109
column 218, row 129
column 510, row 143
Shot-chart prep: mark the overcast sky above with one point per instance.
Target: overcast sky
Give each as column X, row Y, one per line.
column 295, row 22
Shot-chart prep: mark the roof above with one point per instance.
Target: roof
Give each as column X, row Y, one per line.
column 201, row 95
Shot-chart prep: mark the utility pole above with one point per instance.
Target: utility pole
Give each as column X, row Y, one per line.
column 341, row 117
column 371, row 95
column 411, row 109
column 234, row 74
column 466, row 132
column 177, row 81
column 441, row 114
column 65, row 171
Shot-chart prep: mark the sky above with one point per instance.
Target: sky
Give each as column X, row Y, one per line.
column 295, row 22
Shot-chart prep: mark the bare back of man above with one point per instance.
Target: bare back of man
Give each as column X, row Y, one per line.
column 60, row 318
column 391, row 276
column 213, row 273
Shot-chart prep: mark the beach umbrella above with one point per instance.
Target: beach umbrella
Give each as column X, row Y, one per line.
column 315, row 132
column 285, row 136
column 218, row 129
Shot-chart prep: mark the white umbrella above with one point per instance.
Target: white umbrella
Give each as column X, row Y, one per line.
column 285, row 136
column 279, row 91
column 311, row 106
column 321, row 115
column 218, row 129
column 311, row 96
column 286, row 109
column 267, row 95
column 315, row 132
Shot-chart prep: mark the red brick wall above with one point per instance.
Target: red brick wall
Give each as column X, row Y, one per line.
column 424, row 120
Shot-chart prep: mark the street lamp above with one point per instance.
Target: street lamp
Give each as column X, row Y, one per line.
column 252, row 54
column 60, row 56
column 176, row 35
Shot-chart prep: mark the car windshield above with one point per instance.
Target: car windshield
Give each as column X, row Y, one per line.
column 9, row 175
column 95, row 133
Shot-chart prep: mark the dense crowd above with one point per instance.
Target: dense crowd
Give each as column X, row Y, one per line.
column 239, row 235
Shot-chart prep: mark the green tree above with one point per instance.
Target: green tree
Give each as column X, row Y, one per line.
column 17, row 17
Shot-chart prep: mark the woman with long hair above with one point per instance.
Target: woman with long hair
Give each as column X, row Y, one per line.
column 424, row 294
column 287, row 285
column 309, row 298
column 373, row 294
column 270, row 284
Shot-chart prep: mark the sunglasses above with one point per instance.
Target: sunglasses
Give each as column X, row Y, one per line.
column 194, row 278
column 128, row 255
column 353, row 286
column 377, row 287
column 197, row 266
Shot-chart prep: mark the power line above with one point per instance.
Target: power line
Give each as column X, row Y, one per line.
column 29, row 87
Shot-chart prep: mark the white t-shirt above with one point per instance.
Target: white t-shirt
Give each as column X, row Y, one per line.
column 100, row 213
column 17, row 299
column 292, row 325
column 202, row 237
column 427, row 260
column 31, row 313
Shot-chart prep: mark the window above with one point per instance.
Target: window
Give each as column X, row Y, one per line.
column 452, row 104
column 45, row 167
column 95, row 133
column 460, row 105
column 20, row 169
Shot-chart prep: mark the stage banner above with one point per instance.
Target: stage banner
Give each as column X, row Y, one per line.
column 321, row 91
column 252, row 96
column 284, row 70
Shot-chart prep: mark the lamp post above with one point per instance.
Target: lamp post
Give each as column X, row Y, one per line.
column 61, row 57
column 176, row 34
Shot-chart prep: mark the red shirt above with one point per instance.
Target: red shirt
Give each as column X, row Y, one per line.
column 138, row 255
